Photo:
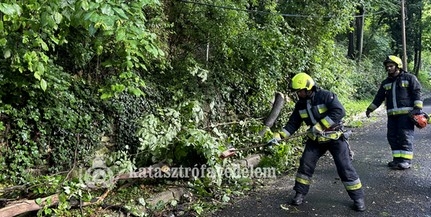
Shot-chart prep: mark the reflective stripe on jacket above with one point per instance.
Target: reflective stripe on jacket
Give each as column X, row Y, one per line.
column 402, row 94
column 322, row 107
column 326, row 136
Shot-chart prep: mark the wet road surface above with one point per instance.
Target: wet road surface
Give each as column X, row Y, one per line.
column 387, row 192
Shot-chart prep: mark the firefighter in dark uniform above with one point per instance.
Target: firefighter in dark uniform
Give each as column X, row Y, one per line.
column 402, row 93
column 322, row 111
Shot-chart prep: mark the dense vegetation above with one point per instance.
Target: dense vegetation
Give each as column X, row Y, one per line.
column 145, row 81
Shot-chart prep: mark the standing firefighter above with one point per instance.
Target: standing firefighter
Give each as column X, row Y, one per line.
column 402, row 92
column 322, row 111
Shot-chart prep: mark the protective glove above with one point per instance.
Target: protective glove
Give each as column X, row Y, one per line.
column 269, row 149
column 275, row 139
column 317, row 129
column 368, row 112
column 416, row 111
column 427, row 117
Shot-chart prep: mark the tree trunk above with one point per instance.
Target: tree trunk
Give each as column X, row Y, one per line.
column 351, row 45
column 418, row 44
column 360, row 19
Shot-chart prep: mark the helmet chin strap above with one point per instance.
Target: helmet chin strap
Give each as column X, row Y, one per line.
column 309, row 93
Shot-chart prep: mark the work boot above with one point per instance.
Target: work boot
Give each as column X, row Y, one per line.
column 298, row 199
column 404, row 165
column 359, row 205
column 392, row 164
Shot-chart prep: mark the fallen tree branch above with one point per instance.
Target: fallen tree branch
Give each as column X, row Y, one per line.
column 24, row 206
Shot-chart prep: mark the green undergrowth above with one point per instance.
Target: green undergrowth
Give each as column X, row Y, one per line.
column 355, row 111
column 206, row 194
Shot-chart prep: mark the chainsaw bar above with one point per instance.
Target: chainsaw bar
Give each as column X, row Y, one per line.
column 267, row 144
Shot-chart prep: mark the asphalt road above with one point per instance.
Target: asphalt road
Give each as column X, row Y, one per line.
column 387, row 192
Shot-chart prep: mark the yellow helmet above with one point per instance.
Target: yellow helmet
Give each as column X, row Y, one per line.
column 393, row 59
column 302, row 81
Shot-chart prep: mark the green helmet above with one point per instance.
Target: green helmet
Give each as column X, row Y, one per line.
column 302, row 81
column 393, row 59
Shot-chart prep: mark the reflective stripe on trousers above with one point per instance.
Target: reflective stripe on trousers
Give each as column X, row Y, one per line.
column 340, row 153
column 400, row 136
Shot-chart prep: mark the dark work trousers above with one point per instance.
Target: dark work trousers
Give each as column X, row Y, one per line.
column 340, row 152
column 400, row 136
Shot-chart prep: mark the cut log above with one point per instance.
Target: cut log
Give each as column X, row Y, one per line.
column 23, row 206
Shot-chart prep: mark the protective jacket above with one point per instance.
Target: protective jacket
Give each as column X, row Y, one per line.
column 323, row 107
column 402, row 94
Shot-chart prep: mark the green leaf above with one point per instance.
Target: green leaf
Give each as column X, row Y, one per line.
column 120, row 35
column 174, row 203
column 106, row 96
column 7, row 53
column 121, row 13
column 10, row 9
column 99, row 50
column 3, row 41
column 118, row 87
column 37, row 75
column 142, row 201
column 38, row 201
column 47, row 20
column 40, row 68
column 54, row 39
column 58, row 17
column 225, row 198
column 2, row 127
column 84, row 5
column 47, row 211
column 198, row 209
column 92, row 30
column 43, row 84
column 43, row 44
column 106, row 9
column 67, row 190
column 90, row 15
column 136, row 91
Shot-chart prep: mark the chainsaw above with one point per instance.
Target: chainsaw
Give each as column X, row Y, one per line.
column 232, row 151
